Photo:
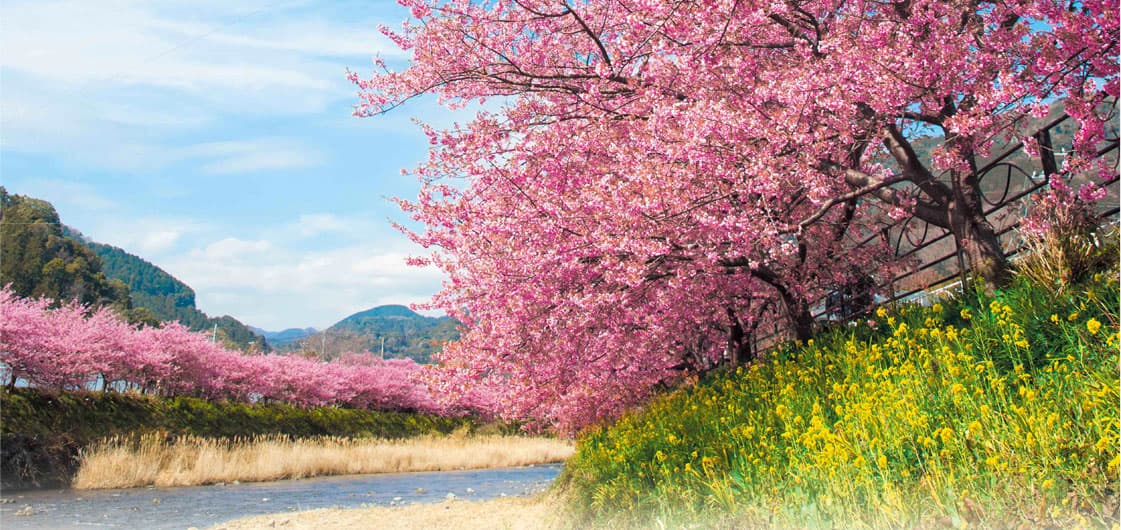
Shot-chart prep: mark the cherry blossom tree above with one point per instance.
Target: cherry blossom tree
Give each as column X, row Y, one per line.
column 23, row 334
column 73, row 347
column 663, row 176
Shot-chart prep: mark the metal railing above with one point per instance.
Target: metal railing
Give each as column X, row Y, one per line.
column 1008, row 181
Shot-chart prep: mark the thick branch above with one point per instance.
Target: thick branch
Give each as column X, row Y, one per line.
column 859, row 192
column 877, row 187
column 913, row 169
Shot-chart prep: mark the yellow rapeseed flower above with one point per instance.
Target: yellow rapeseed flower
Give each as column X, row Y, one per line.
column 1054, row 318
column 881, row 312
column 966, row 314
column 975, row 428
column 1093, row 325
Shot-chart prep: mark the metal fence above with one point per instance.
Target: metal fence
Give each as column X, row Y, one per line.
column 1008, row 181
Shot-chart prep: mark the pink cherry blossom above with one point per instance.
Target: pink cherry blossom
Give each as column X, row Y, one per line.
column 662, row 179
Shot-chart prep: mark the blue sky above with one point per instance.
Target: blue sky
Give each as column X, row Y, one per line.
column 215, row 139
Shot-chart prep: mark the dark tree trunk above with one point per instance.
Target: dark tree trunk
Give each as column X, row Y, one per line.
column 739, row 343
column 801, row 320
column 973, row 232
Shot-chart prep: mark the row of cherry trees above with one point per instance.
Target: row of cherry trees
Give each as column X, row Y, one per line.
column 72, row 347
column 662, row 177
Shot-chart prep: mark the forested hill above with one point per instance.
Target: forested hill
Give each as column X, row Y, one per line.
column 42, row 258
column 168, row 298
column 405, row 333
column 38, row 260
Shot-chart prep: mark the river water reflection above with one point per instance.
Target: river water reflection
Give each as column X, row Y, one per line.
column 203, row 506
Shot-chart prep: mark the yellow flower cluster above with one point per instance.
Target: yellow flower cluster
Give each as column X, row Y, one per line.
column 927, row 408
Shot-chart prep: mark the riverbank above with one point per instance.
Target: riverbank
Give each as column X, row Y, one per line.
column 153, row 460
column 42, row 431
column 540, row 512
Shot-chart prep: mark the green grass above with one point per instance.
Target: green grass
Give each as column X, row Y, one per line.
column 984, row 410
column 41, row 432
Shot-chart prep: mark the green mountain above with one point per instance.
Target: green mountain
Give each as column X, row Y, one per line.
column 41, row 257
column 38, row 260
column 394, row 331
column 168, row 298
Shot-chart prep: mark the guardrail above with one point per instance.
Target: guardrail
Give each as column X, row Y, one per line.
column 1007, row 180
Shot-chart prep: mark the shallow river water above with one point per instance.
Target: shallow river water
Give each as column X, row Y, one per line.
column 203, row 506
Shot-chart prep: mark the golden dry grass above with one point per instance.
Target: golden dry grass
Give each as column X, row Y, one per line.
column 510, row 513
column 153, row 460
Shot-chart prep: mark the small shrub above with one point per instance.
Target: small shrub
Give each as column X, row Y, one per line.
column 1064, row 241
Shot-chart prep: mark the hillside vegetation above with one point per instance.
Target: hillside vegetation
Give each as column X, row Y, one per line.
column 38, row 260
column 998, row 411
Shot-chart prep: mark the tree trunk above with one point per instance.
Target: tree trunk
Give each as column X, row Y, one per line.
column 739, row 342
column 801, row 320
column 974, row 234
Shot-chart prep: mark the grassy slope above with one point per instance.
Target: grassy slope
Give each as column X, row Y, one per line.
column 41, row 433
column 987, row 411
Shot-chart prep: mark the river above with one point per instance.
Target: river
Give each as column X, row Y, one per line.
column 203, row 506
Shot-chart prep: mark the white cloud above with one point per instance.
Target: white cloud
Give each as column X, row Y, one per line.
column 78, row 43
column 267, row 285
column 157, row 241
column 246, row 156
column 233, row 249
column 150, row 237
column 66, row 194
column 309, row 225
column 109, row 85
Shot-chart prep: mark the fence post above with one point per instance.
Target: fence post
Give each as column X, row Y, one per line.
column 1046, row 152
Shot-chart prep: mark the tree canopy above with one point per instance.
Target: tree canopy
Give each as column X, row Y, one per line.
column 663, row 176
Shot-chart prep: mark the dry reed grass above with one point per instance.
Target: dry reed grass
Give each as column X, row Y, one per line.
column 153, row 459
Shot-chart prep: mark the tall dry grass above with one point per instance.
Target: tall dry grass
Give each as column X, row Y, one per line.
column 153, row 459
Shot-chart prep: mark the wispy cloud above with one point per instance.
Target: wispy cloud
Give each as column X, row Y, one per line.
column 247, row 156
column 92, row 78
column 309, row 225
column 67, row 194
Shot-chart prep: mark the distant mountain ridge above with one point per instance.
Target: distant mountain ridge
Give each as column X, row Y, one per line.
column 394, row 331
column 287, row 336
